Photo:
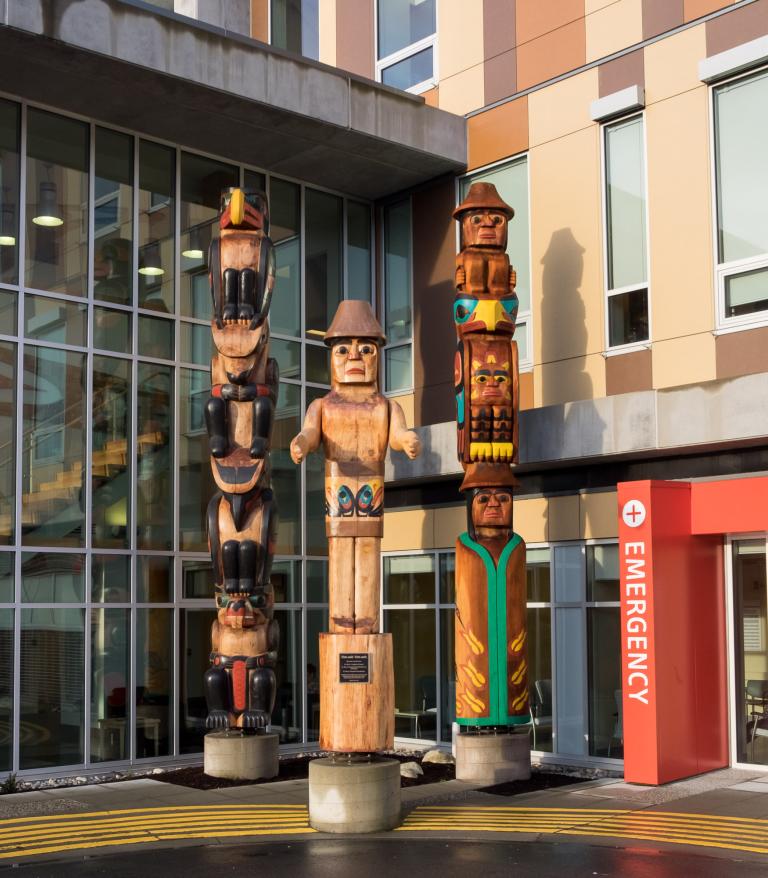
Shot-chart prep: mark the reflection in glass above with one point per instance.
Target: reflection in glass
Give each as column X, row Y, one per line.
column 322, row 262
column 413, row 646
column 110, row 675
column 397, row 368
column 606, row 725
column 111, row 330
column 110, row 456
column 314, row 476
column 288, row 356
column 358, row 251
column 194, row 460
column 110, row 579
column 157, row 208
column 603, row 573
column 402, row 22
column 154, row 579
column 6, row 688
column 397, row 271
column 57, row 203
column 9, row 191
column 295, row 26
column 154, row 496
column 53, row 447
column 540, row 676
column 628, row 317
column 447, row 578
column 537, row 570
column 746, row 292
column 48, row 578
column 254, row 180
column 194, row 649
column 448, row 675
column 197, row 344
column 8, row 313
column 113, row 217
column 154, row 681
column 318, row 364
column 52, row 683
column 7, row 577
column 286, row 581
column 7, row 440
column 317, row 582
column 317, row 622
column 409, row 579
column 411, row 71
column 202, row 181
column 286, row 476
column 55, row 320
column 196, row 578
column 156, row 337
column 286, row 717
column 285, row 228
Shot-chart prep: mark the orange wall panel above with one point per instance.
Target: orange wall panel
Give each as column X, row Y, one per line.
column 498, row 133
column 551, row 54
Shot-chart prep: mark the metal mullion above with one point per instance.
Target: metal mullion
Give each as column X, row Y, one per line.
column 303, row 392
column 88, row 655
column 16, row 718
column 438, row 659
column 173, row 709
column 344, row 244
column 115, row 306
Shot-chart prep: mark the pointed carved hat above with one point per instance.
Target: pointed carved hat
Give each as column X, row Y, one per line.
column 483, row 196
column 354, row 319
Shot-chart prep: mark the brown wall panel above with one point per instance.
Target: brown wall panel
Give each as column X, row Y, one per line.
column 693, row 9
column 500, row 75
column 260, row 20
column 498, row 133
column 737, row 27
column 621, row 73
column 500, row 68
column 628, row 373
column 550, row 55
column 534, row 18
column 742, row 353
column 354, row 37
column 660, row 16
column 434, row 336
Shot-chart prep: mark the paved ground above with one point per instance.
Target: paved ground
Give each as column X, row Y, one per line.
column 713, row 825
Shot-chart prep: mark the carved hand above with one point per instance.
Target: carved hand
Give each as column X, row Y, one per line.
column 512, row 278
column 239, row 393
column 411, row 444
column 461, row 276
column 299, row 447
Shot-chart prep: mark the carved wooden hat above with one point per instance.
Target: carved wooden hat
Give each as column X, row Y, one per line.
column 483, row 196
column 488, row 475
column 354, row 319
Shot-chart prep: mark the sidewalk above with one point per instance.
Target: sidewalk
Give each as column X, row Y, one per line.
column 719, row 813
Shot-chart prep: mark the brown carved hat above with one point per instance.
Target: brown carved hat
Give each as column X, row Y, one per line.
column 488, row 475
column 354, row 319
column 483, row 196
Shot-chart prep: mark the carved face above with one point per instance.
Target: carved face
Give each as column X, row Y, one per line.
column 354, row 361
column 490, row 381
column 485, row 314
column 484, row 228
column 492, row 507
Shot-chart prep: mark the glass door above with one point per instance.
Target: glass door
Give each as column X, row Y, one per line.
column 750, row 614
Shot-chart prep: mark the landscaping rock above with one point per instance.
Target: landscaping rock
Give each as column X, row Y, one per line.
column 439, row 756
column 411, row 769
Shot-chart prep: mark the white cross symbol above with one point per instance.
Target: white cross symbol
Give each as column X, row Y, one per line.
column 633, row 513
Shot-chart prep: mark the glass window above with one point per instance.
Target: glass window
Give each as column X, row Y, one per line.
column 7, row 577
column 397, row 295
column 318, row 364
column 539, row 621
column 448, row 671
column 154, row 579
column 409, row 579
column 286, row 716
column 317, row 622
column 6, row 687
column 317, row 582
column 286, row 476
column 537, row 571
column 447, row 578
column 397, row 368
column 194, row 460
column 9, row 317
column 314, row 487
column 157, row 223
column 194, row 650
column 603, row 573
column 626, row 250
column 55, row 320
column 413, row 646
column 154, row 681
column 154, row 453
column 113, row 217
column 7, row 440
column 322, row 263
column 9, row 192
column 111, row 470
column 296, row 27
column 110, row 579
column 358, row 251
column 57, row 203
column 286, row 581
column 197, row 344
column 54, row 447
column 202, row 182
column 254, row 180
column 285, row 230
column 52, row 673
column 48, row 578
column 110, row 683
column 606, row 733
column 156, row 337
column 410, row 71
column 288, row 356
column 196, row 579
column 402, row 23
column 112, row 330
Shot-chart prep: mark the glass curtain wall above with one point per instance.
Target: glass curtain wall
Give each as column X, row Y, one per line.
column 105, row 580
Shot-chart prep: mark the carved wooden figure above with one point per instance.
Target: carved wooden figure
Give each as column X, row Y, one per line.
column 242, row 515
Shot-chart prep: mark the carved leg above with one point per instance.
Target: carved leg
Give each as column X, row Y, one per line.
column 341, row 584
column 367, row 585
column 246, row 294
column 231, row 284
column 261, row 425
column 217, row 697
column 216, row 425
column 263, row 689
column 230, row 554
column 247, row 566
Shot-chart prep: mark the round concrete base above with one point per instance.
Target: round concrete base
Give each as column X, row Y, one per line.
column 492, row 759
column 240, row 757
column 354, row 797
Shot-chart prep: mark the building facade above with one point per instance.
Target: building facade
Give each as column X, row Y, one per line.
column 629, row 137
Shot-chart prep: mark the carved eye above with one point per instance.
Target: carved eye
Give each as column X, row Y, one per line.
column 483, row 498
column 366, row 349
column 481, row 379
column 509, row 304
column 342, row 349
column 463, row 309
column 476, row 220
column 502, row 498
column 498, row 219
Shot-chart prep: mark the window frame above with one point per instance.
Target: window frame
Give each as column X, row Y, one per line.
column 633, row 346
column 400, row 343
column 406, row 52
column 724, row 270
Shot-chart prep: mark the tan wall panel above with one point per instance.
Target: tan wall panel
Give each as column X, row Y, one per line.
column 407, row 405
column 672, row 64
column 682, row 297
column 569, row 380
column 327, row 31
column 550, row 55
column 614, row 27
column 408, row 529
column 498, row 133
column 450, row 521
column 591, row 6
column 562, row 108
column 530, row 519
column 563, row 514
column 461, row 39
column 687, row 360
column 534, row 18
column 463, row 92
column 599, row 516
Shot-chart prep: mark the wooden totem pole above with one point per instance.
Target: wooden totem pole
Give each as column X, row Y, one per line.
column 242, row 516
column 490, row 642
column 355, row 424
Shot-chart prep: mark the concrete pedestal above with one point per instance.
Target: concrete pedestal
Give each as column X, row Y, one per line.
column 492, row 759
column 354, row 797
column 240, row 757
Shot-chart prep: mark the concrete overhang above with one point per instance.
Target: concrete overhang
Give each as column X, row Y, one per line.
column 129, row 64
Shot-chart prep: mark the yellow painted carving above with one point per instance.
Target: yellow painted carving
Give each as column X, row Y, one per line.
column 517, row 644
column 480, row 450
column 502, row 450
column 519, row 674
column 520, row 701
column 474, row 644
column 474, row 704
column 476, row 678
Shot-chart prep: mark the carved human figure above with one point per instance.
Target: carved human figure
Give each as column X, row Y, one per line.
column 355, row 423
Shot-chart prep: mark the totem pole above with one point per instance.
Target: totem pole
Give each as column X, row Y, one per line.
column 242, row 515
column 490, row 642
column 355, row 424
